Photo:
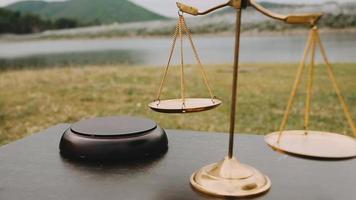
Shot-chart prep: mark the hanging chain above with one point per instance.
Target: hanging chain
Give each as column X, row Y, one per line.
column 310, row 81
column 181, row 59
column 169, row 61
column 180, row 27
column 205, row 78
column 313, row 41
column 295, row 86
column 336, row 86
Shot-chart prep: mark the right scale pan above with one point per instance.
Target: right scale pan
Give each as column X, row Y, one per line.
column 307, row 143
column 315, row 144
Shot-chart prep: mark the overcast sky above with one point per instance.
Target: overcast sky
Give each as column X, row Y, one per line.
column 168, row 7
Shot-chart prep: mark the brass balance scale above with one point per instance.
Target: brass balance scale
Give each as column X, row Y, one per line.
column 229, row 177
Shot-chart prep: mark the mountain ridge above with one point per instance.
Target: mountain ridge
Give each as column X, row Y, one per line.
column 87, row 11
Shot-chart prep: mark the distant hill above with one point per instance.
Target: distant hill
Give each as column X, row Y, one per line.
column 87, row 11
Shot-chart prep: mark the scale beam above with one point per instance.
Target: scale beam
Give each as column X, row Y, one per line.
column 305, row 18
column 194, row 11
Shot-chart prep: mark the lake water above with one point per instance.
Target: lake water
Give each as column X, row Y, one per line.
column 154, row 51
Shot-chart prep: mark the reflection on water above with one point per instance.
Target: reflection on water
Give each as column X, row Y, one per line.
column 154, row 51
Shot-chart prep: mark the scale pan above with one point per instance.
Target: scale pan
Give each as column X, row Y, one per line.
column 191, row 105
column 315, row 144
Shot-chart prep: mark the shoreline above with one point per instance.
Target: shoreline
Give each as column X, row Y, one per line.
column 53, row 36
column 119, row 66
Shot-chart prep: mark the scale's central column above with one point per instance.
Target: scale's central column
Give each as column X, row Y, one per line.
column 229, row 177
column 234, row 83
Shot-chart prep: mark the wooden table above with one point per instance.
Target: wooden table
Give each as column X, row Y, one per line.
column 32, row 169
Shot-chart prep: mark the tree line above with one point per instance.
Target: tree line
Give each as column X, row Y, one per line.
column 24, row 23
column 340, row 20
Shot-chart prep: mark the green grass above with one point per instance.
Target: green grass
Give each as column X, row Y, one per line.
column 32, row 100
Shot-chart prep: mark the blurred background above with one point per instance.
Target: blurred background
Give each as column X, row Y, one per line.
column 65, row 60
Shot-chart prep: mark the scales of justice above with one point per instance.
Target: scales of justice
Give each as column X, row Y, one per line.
column 229, row 177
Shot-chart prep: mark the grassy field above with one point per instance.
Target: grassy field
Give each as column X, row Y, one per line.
column 32, row 100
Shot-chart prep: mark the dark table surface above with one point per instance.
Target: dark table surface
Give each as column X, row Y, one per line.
column 32, row 168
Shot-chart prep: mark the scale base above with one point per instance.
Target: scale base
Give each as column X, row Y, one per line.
column 315, row 144
column 229, row 178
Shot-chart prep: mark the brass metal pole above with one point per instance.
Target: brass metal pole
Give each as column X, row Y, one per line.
column 234, row 82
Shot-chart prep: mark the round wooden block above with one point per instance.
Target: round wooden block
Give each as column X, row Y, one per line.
column 113, row 126
column 108, row 138
column 315, row 144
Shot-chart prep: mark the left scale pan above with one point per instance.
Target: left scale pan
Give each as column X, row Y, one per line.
column 187, row 105
column 184, row 104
